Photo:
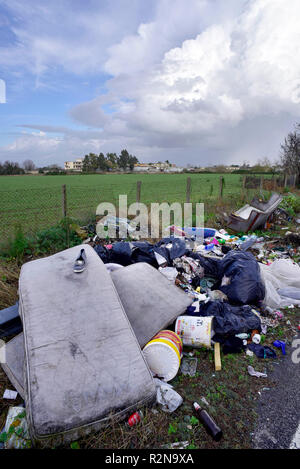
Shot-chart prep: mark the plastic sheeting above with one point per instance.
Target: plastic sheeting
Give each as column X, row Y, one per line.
column 280, row 275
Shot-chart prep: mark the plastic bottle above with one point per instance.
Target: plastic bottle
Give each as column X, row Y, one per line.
column 209, row 247
column 209, row 424
column 248, row 243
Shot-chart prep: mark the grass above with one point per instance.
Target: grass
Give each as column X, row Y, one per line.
column 9, row 277
column 35, row 202
column 63, row 235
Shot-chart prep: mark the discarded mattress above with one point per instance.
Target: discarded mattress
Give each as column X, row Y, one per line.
column 150, row 301
column 82, row 360
column 251, row 217
column 166, row 300
column 14, row 362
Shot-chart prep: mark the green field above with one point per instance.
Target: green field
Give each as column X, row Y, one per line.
column 35, row 202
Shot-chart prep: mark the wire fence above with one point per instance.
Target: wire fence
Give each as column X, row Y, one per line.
column 35, row 209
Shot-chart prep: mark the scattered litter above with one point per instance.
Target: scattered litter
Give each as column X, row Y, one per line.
column 169, row 272
column 134, row 418
column 280, row 344
column 217, row 356
column 176, row 445
column 15, row 433
column 189, row 366
column 194, row 331
column 233, row 287
column 163, row 355
column 204, row 401
column 258, row 374
column 209, row 424
column 166, row 396
column 262, row 351
column 253, row 215
column 256, row 338
column 242, row 336
column 8, row 394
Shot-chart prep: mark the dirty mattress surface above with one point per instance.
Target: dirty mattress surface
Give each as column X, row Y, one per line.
column 14, row 362
column 82, row 359
column 150, row 300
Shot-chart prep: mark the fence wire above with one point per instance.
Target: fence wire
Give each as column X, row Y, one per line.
column 35, row 209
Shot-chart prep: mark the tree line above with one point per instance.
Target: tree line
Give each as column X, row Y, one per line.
column 109, row 162
column 290, row 152
column 289, row 161
column 10, row 168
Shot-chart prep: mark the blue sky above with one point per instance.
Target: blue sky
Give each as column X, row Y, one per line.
column 199, row 82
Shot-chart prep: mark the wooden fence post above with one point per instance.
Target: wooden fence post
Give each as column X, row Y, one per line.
column 64, row 201
column 243, row 188
column 261, row 185
column 138, row 194
column 138, row 191
column 188, row 190
column 221, row 187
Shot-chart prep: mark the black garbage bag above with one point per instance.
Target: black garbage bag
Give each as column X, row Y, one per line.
column 231, row 344
column 262, row 351
column 245, row 284
column 103, row 253
column 230, row 320
column 121, row 253
column 142, row 251
column 126, row 253
column 212, row 266
column 177, row 248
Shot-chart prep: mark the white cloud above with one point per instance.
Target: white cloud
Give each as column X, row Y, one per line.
column 205, row 78
column 66, row 34
column 229, row 74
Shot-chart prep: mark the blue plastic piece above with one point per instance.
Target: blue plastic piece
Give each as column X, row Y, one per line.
column 199, row 232
column 280, row 344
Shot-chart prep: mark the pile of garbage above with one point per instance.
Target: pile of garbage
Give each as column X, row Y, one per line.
column 100, row 329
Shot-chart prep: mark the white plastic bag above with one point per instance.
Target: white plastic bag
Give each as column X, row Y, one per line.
column 166, row 396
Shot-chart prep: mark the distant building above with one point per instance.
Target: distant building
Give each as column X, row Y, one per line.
column 174, row 169
column 74, row 165
column 33, row 172
column 142, row 167
column 157, row 168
